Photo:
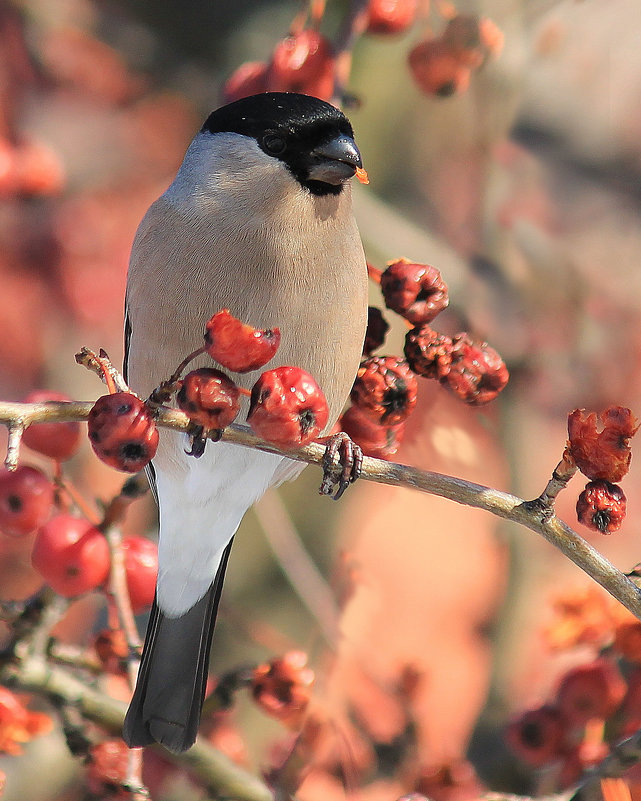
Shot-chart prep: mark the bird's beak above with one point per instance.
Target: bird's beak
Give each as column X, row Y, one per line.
column 335, row 161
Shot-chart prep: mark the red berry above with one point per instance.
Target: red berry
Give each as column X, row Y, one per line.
column 437, row 70
column 537, row 735
column 122, row 431
column 376, row 440
column 249, row 79
column 304, row 63
column 385, row 390
column 209, row 398
column 71, row 555
column 601, row 506
column 57, row 440
column 377, row 328
column 590, row 691
column 415, row 291
column 428, row 353
column 107, row 769
column 476, row 373
column 237, row 346
column 26, row 499
column 141, row 568
column 282, row 687
column 600, row 444
column 390, row 16
column 287, row 407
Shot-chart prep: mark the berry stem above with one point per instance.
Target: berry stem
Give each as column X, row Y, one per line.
column 374, row 274
column 75, row 496
column 100, row 363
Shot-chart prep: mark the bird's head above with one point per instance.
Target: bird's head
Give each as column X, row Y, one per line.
column 312, row 138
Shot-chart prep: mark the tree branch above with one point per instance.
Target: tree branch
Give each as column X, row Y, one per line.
column 537, row 515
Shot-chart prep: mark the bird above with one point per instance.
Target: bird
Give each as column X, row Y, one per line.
column 258, row 220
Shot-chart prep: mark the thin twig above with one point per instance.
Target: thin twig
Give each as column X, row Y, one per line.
column 13, row 445
column 297, row 565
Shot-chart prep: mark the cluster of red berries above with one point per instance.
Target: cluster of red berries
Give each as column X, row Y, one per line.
column 18, row 724
column 595, row 704
column 599, row 445
column 69, row 552
column 304, row 61
column 385, row 390
column 442, row 65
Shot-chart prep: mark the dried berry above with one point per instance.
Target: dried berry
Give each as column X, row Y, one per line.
column 601, row 506
column 385, row 390
column 437, row 70
column 472, row 40
column 112, row 650
column 287, row 407
column 477, row 373
column 381, row 442
column 122, row 431
column 141, row 570
column 377, row 328
column 627, row 639
column 428, row 353
column 71, row 555
column 390, row 16
column 590, row 691
column 26, row 500
column 57, row 440
column 282, row 687
column 537, row 735
column 209, row 398
column 303, row 62
column 600, row 444
column 237, row 346
column 415, row 291
column 249, row 79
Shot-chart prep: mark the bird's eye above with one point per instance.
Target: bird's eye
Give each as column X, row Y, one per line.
column 274, row 144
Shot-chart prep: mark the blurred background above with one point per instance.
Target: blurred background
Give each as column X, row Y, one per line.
column 524, row 191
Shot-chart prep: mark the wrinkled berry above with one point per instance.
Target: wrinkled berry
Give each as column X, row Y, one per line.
column 415, row 291
column 537, row 735
column 303, row 63
column 209, row 398
column 122, row 432
column 282, row 687
column 287, row 407
column 377, row 328
column 385, row 389
column 601, row 506
column 57, row 440
column 428, row 353
column 437, row 70
column 600, row 444
column 141, row 570
column 590, row 691
column 26, row 500
column 71, row 555
column 390, row 16
column 237, row 346
column 381, row 442
column 477, row 373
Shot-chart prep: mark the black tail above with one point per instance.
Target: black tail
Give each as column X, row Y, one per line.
column 170, row 690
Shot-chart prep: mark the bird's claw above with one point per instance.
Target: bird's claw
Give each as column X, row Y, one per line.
column 342, row 463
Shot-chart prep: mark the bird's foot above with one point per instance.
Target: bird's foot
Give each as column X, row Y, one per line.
column 342, row 463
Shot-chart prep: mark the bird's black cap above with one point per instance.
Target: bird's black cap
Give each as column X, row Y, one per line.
column 291, row 127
